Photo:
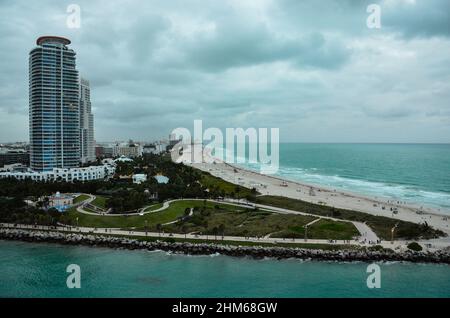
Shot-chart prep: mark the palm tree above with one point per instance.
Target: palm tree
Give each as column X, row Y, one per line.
column 158, row 228
column 184, row 229
column 222, row 230
column 215, row 231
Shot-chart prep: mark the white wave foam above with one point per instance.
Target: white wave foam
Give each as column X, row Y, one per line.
column 408, row 193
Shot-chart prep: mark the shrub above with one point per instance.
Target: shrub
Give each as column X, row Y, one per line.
column 414, row 246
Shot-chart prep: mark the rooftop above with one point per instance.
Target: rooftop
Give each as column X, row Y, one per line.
column 161, row 179
column 51, row 38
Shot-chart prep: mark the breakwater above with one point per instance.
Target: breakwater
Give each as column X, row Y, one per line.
column 350, row 255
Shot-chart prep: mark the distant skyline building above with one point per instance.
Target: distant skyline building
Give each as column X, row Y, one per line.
column 54, row 105
column 127, row 149
column 87, row 146
column 12, row 156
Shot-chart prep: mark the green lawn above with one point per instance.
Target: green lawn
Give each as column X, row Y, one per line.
column 87, row 209
column 153, row 207
column 261, row 223
column 380, row 225
column 80, row 198
column 174, row 211
column 100, row 201
column 226, row 187
column 209, row 217
column 323, row 229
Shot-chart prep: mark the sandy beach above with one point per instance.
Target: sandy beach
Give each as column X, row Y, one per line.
column 273, row 185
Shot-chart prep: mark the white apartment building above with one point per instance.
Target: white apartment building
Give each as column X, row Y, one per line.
column 64, row 174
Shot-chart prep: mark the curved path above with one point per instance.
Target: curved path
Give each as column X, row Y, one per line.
column 191, row 212
column 82, row 205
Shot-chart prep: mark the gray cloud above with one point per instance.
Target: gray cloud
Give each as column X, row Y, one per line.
column 419, row 18
column 311, row 68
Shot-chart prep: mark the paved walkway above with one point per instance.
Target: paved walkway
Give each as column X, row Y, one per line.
column 119, row 232
column 312, row 222
column 191, row 212
column 435, row 244
column 367, row 234
column 81, row 208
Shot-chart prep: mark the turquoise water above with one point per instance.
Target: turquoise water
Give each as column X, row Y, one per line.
column 39, row 270
column 415, row 173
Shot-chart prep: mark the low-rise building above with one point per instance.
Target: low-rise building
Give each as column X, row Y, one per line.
column 131, row 150
column 17, row 167
column 61, row 202
column 104, row 150
column 63, row 174
column 11, row 156
column 139, row 178
column 149, row 149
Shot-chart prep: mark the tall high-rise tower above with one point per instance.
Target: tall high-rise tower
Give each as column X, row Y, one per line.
column 86, row 123
column 54, row 105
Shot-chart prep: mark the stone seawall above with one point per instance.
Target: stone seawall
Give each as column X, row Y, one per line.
column 229, row 250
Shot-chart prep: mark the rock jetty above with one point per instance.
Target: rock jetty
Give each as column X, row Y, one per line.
column 350, row 255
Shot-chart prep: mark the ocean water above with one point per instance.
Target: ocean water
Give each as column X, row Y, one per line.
column 39, row 270
column 415, row 173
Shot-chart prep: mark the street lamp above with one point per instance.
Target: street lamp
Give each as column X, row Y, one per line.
column 306, row 233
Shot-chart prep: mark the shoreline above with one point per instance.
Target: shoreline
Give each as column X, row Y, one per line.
column 433, row 210
column 273, row 185
column 256, row 252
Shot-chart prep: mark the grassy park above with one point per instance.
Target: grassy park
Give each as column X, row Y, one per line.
column 174, row 211
column 218, row 219
column 229, row 220
column 380, row 225
column 80, row 198
column 100, row 201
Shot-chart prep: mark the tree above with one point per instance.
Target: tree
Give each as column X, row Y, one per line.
column 159, row 228
column 414, row 246
column 184, row 229
column 237, row 189
column 222, row 230
column 215, row 231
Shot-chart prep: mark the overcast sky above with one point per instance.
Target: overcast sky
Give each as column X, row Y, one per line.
column 311, row 68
